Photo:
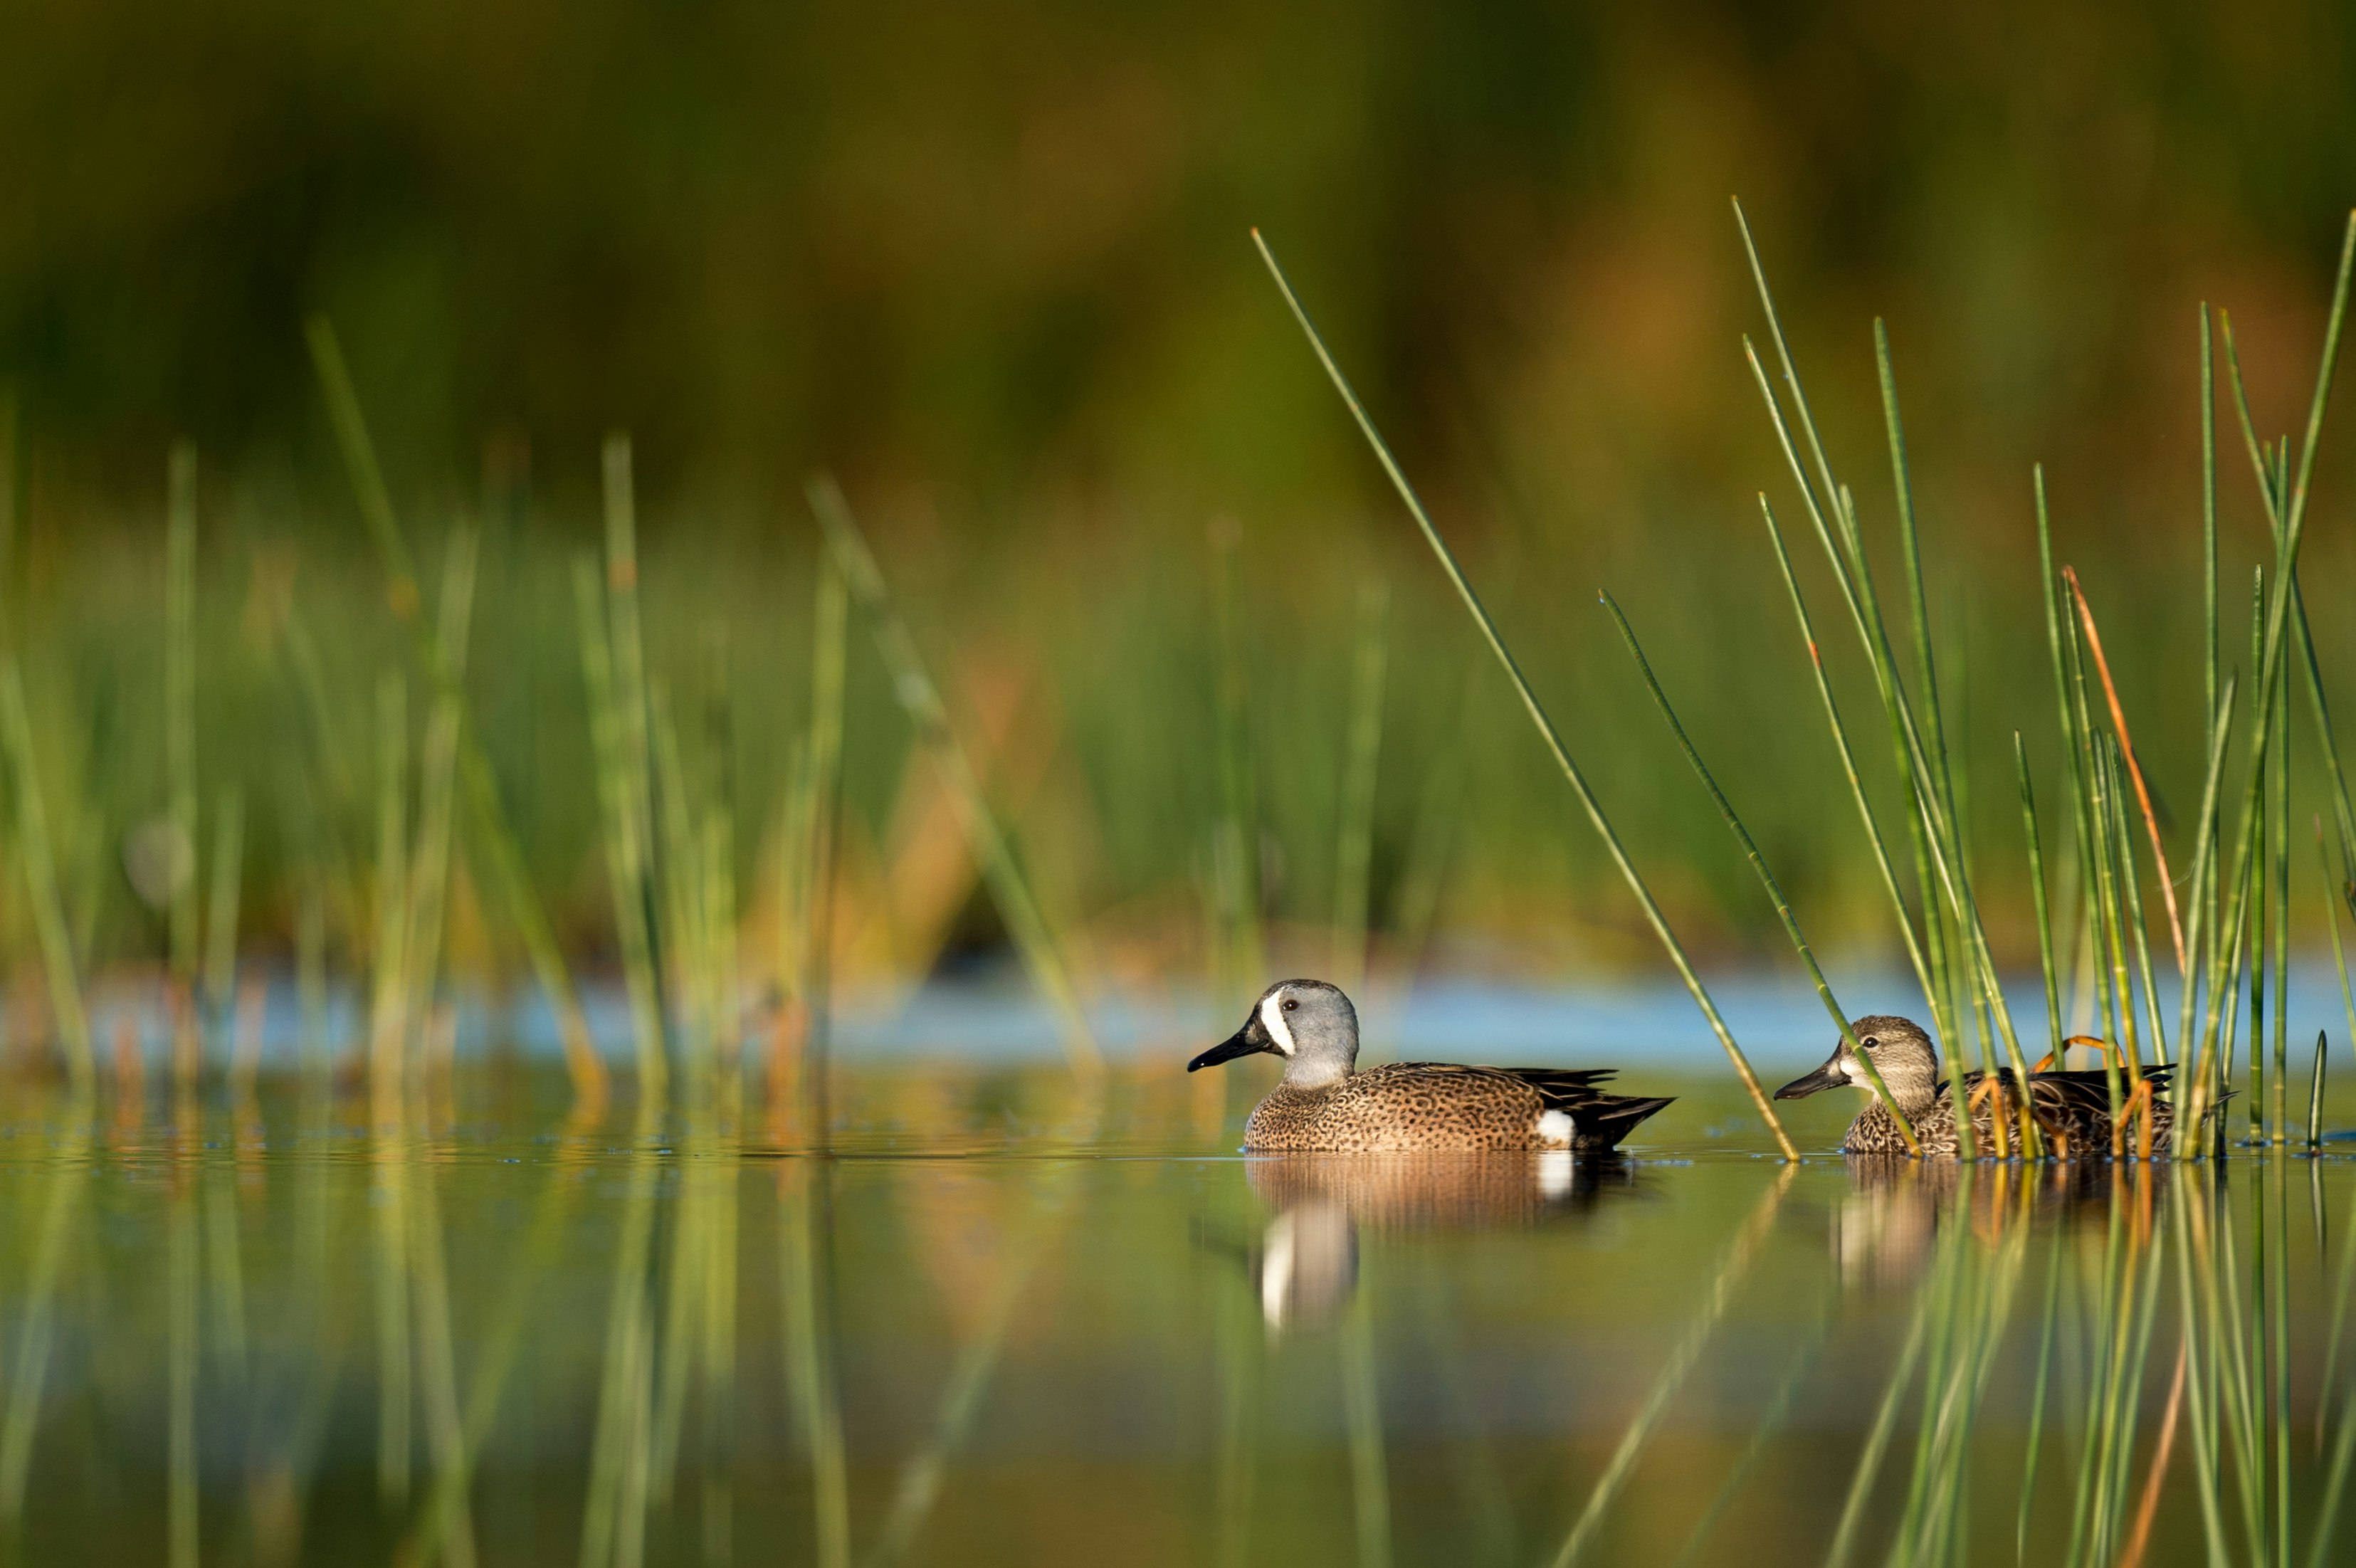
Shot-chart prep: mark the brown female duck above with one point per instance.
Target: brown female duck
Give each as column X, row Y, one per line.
column 2071, row 1109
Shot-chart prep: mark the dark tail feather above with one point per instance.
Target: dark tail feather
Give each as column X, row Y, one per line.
column 1606, row 1119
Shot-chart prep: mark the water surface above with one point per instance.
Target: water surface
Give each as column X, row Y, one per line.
column 1004, row 1320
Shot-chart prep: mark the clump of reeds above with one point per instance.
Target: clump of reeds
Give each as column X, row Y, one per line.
column 2232, row 921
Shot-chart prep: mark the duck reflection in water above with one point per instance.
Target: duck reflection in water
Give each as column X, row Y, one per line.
column 1304, row 1269
column 1884, row 1229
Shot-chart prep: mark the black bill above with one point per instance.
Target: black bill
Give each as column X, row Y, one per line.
column 1250, row 1040
column 1828, row 1076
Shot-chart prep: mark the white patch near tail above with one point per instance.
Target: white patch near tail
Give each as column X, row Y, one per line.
column 1556, row 1171
column 1272, row 1017
column 1557, row 1130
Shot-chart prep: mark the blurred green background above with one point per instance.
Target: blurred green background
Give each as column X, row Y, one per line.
column 990, row 266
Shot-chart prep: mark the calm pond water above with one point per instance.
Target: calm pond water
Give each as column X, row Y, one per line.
column 1004, row 1321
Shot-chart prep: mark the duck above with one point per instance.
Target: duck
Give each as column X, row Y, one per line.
column 1324, row 1105
column 2071, row 1109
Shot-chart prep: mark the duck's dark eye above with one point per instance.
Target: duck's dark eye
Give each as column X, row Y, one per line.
column 1870, row 1042
column 1290, row 1004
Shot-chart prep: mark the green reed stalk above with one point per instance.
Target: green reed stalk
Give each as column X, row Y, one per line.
column 2270, row 1273
column 813, row 810
column 613, row 1516
column 63, row 974
column 495, row 833
column 2245, row 1393
column 806, row 1227
column 2130, row 883
column 62, row 1217
column 2278, row 830
column 678, row 1339
column 2262, row 826
column 180, row 702
column 2037, row 892
column 633, row 746
column 2287, row 537
column 504, row 1327
column 311, row 983
column 181, row 1334
column 2201, row 935
column 446, row 1437
column 2208, row 584
column 720, row 1370
column 1784, row 911
column 919, row 1485
column 1547, row 731
column 679, row 893
column 1942, row 781
column 1010, row 889
column 387, row 1012
column 2271, row 494
column 1763, row 1433
column 2032, row 1449
column 2202, row 1348
column 1911, row 552
column 1733, row 1265
column 2087, row 1541
column 2347, row 993
column 1877, row 1437
column 396, row 1354
column 2100, row 849
column 429, row 879
column 221, row 912
column 720, row 917
column 1370, row 1490
column 1242, row 959
column 626, row 842
column 1938, row 841
column 1849, row 760
column 1361, row 765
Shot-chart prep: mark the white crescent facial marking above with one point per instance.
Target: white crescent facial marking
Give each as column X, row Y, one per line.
column 1272, row 1017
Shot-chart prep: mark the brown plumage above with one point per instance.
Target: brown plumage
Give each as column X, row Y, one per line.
column 2072, row 1110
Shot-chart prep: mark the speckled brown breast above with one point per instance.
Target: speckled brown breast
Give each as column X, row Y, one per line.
column 1399, row 1108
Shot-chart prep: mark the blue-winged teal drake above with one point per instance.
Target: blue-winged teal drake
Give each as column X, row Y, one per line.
column 2072, row 1109
column 1323, row 1105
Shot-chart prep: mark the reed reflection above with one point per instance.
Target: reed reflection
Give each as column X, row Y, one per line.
column 1886, row 1229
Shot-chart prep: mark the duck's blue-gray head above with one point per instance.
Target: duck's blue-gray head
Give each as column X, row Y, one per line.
column 1307, row 1021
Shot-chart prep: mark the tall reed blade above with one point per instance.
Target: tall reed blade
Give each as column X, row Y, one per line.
column 799, row 1072
column 2036, row 895
column 1784, row 911
column 625, row 843
column 1578, row 782
column 2134, row 768
column 180, row 746
column 41, row 885
column 1362, row 758
column 496, row 832
column 921, row 699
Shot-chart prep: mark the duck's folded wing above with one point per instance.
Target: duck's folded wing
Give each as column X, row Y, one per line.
column 2081, row 1092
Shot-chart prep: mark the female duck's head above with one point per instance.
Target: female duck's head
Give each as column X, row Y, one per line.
column 1307, row 1021
column 1901, row 1052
